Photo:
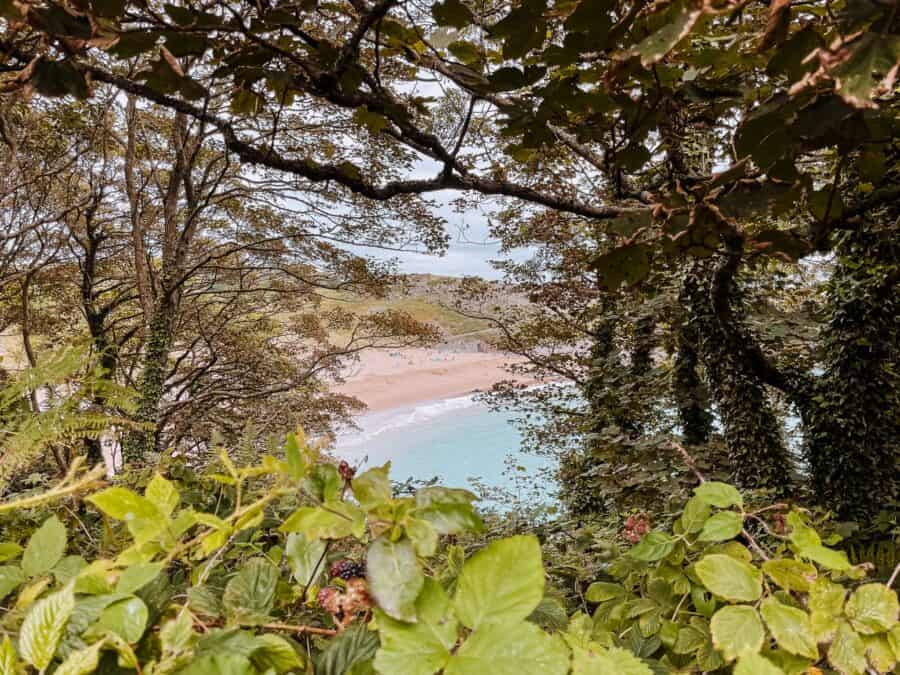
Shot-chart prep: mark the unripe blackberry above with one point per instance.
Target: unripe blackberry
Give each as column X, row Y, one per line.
column 347, row 569
column 346, row 471
column 329, row 599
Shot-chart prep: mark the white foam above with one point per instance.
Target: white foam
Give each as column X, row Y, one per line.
column 372, row 425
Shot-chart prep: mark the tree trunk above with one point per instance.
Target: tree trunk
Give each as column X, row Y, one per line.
column 756, row 449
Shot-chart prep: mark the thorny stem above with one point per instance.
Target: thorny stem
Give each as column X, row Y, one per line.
column 692, row 465
column 66, row 487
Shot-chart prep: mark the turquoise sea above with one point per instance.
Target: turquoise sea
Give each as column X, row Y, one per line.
column 458, row 440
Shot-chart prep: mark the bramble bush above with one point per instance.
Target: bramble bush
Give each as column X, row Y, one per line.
column 302, row 566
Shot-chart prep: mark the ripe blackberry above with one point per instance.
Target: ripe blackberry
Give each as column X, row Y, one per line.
column 347, row 569
column 346, row 471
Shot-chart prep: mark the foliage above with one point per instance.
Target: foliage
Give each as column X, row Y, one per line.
column 70, row 384
column 179, row 589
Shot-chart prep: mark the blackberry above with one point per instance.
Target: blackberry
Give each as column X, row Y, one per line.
column 347, row 569
column 329, row 599
column 346, row 471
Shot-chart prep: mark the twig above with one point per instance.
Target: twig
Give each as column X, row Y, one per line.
column 299, row 630
column 893, row 578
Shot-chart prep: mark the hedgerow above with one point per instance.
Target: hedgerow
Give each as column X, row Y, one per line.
column 302, row 566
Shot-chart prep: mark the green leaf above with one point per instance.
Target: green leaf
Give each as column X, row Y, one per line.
column 791, row 575
column 351, row 647
column 123, row 504
column 82, row 662
column 879, row 653
column 332, row 520
column 735, row 629
column 423, row 536
column 510, row 649
column 653, row 546
column 43, row 627
column 695, row 514
column 680, row 20
column 452, row 13
column 273, row 651
column 9, row 550
column 826, row 557
column 176, row 635
column 847, row 653
column 137, row 576
column 729, row 578
column 722, row 526
column 373, row 488
column 250, row 593
column 720, row 495
column 372, row 121
column 11, row 577
column 451, row 518
column 601, row 591
column 303, row 555
column 126, row 618
column 872, row 608
column 395, row 577
column 420, row 648
column 596, row 660
column 873, row 53
column 756, row 664
column 163, row 494
column 9, row 661
column 628, row 264
column 790, row 627
column 45, row 548
column 220, row 664
column 502, row 583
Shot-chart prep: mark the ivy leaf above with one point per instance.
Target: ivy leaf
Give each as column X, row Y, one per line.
column 730, row 578
column 847, row 653
column 872, row 608
column 755, row 664
column 373, row 488
column 420, row 648
column 452, row 13
column 722, row 526
column 735, row 629
column 720, row 495
column 45, row 548
column 250, row 593
column 790, row 627
column 395, row 577
column 502, row 583
column 603, row 661
column 126, row 618
column 43, row 627
column 510, row 649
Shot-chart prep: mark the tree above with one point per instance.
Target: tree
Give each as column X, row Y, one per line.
column 796, row 104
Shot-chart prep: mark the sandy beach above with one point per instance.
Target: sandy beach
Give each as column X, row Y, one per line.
column 384, row 380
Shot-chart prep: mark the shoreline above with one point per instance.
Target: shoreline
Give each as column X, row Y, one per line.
column 408, row 377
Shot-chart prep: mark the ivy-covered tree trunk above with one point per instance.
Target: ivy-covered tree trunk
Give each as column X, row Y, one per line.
column 756, row 449
column 852, row 424
column 688, row 389
column 151, row 385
